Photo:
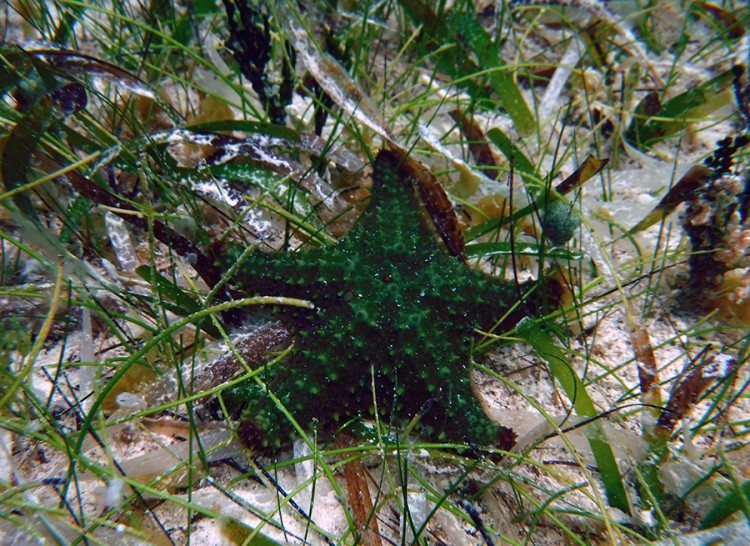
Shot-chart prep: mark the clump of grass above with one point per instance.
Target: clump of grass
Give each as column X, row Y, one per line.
column 141, row 141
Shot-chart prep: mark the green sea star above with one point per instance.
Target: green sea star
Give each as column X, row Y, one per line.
column 391, row 305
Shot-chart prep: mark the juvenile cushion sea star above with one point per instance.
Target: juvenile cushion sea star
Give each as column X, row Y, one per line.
column 391, row 305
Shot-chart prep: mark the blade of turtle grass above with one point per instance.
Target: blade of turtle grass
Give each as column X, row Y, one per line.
column 504, row 248
column 252, row 127
column 674, row 114
column 561, row 369
column 521, row 163
column 437, row 37
column 461, row 27
column 732, row 502
column 240, row 533
column 501, row 79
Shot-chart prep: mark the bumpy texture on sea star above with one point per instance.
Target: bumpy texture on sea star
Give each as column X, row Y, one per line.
column 391, row 304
